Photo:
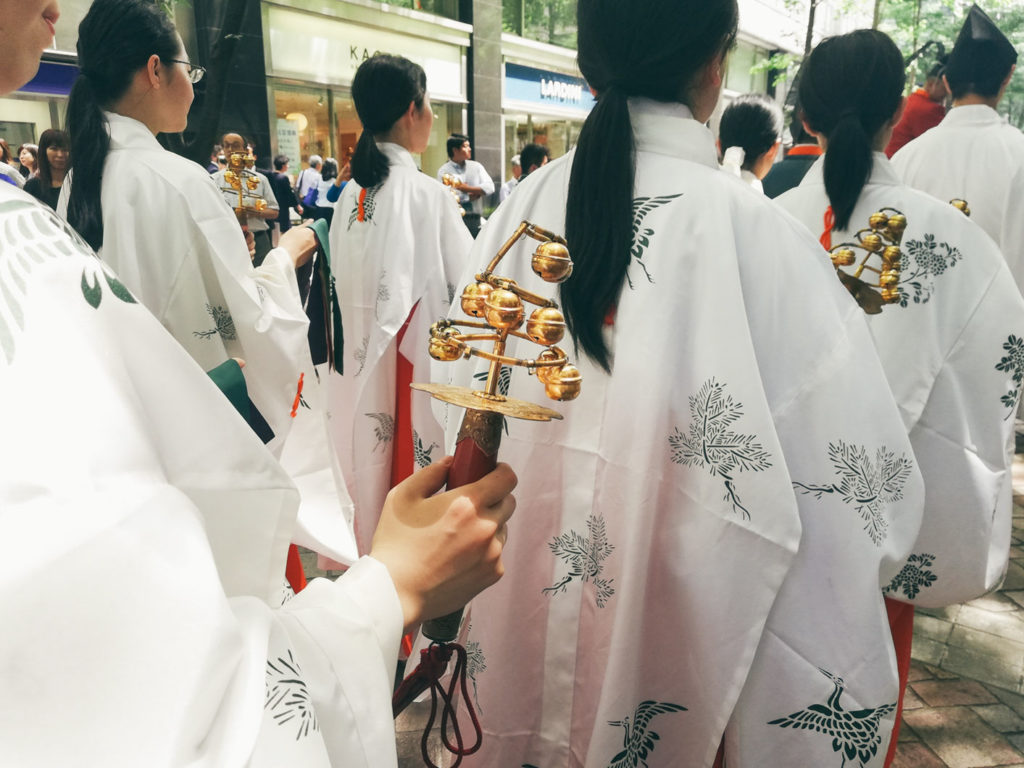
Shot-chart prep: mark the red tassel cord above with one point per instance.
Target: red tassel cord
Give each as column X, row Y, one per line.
column 828, row 224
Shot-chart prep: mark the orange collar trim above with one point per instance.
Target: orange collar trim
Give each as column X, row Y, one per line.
column 804, row 149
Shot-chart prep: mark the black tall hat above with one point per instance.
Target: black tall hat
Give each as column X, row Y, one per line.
column 982, row 53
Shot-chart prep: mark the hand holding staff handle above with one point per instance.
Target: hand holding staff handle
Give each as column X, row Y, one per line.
column 476, row 454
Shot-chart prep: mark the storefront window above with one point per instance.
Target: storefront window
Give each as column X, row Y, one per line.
column 547, row 21
column 559, row 136
column 446, row 8
column 311, row 121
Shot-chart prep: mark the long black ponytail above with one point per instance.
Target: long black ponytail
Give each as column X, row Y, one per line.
column 382, row 90
column 850, row 87
column 752, row 122
column 115, row 39
column 650, row 48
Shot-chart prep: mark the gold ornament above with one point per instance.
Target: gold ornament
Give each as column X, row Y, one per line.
column 503, row 310
column 474, row 298
column 551, row 262
column 546, row 326
column 882, row 237
column 566, row 386
column 961, row 205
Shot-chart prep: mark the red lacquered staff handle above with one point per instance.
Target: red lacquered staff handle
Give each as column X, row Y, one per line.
column 476, row 454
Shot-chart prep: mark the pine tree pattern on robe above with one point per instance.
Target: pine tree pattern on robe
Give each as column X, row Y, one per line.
column 712, row 445
column 360, row 353
column 476, row 664
column 931, row 260
column 383, row 293
column 866, row 485
column 642, row 206
column 854, row 733
column 585, row 556
column 1013, row 363
column 30, row 235
column 913, row 577
column 288, row 697
column 223, row 324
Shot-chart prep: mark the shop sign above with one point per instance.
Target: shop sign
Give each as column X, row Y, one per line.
column 538, row 86
column 288, row 140
column 324, row 49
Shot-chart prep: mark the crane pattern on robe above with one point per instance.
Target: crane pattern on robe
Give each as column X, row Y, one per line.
column 585, row 556
column 362, row 210
column 638, row 741
column 30, row 235
column 868, row 486
column 642, row 206
column 384, row 429
column 713, row 446
column 422, row 452
column 288, row 696
column 361, row 352
column 223, row 324
column 855, row 734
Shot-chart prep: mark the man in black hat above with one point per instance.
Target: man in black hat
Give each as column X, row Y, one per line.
column 974, row 154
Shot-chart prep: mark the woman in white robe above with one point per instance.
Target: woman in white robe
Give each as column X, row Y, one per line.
column 665, row 549
column 398, row 246
column 749, row 137
column 952, row 347
column 161, row 223
column 143, row 625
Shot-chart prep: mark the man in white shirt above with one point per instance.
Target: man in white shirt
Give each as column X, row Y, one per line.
column 309, row 178
column 508, row 186
column 257, row 222
column 472, row 180
column 974, row 154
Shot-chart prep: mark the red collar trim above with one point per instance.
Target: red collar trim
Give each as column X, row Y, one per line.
column 805, row 149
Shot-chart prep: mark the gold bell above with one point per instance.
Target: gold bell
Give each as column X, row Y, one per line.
column 551, row 262
column 567, row 385
column 548, row 374
column 843, row 257
column 474, row 298
column 503, row 310
column 546, row 326
column 252, row 182
column 897, row 225
column 872, row 242
column 231, row 178
column 888, row 279
column 890, row 295
column 891, row 253
column 444, row 349
column 961, row 205
column 878, row 220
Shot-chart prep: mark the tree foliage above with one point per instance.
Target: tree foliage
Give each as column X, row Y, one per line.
column 548, row 21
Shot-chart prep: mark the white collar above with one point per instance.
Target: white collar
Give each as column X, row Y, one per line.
column 127, row 132
column 881, row 172
column 397, row 154
column 973, row 115
column 669, row 129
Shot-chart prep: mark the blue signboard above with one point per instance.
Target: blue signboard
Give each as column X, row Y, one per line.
column 53, row 79
column 546, row 89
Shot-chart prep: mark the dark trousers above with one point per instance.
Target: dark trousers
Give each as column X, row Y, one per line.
column 472, row 222
column 263, row 246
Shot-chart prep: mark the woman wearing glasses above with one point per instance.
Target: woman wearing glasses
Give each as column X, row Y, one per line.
column 162, row 224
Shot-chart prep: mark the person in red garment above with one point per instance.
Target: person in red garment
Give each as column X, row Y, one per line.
column 925, row 109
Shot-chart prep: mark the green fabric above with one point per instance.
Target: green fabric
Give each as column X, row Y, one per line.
column 229, row 380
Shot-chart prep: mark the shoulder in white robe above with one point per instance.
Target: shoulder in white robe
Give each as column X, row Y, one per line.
column 974, row 154
column 953, row 352
column 146, row 528
column 663, row 574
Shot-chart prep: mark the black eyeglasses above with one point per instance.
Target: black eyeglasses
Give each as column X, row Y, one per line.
column 195, row 72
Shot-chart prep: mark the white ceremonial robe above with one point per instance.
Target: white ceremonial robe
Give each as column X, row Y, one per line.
column 395, row 246
column 178, row 247
column 145, row 530
column 974, row 155
column 659, row 548
column 953, row 351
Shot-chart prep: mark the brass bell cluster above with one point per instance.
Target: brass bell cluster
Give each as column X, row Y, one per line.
column 450, row 181
column 882, row 238
column 498, row 304
column 961, row 205
column 242, row 179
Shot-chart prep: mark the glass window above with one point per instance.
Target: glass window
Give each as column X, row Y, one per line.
column 558, row 135
column 547, row 21
column 447, row 8
column 741, row 61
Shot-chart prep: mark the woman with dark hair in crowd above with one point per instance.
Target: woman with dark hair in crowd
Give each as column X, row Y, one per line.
column 161, row 222
column 52, row 167
column 398, row 240
column 749, row 136
column 958, row 304
column 8, row 173
column 27, row 154
column 668, row 563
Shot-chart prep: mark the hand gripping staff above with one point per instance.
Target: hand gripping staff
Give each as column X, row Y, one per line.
column 497, row 303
